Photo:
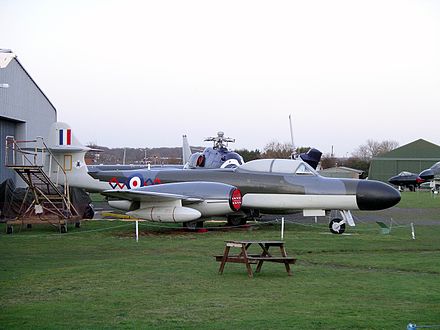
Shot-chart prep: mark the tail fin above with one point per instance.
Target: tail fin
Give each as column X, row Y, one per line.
column 62, row 139
column 186, row 150
column 70, row 154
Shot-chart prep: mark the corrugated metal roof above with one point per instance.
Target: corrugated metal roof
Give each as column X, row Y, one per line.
column 6, row 56
column 14, row 57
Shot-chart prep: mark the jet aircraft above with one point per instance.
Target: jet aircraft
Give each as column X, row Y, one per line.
column 260, row 186
column 406, row 179
column 432, row 175
column 191, row 195
column 431, row 172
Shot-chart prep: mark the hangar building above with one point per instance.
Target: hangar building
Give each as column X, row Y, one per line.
column 25, row 111
column 413, row 157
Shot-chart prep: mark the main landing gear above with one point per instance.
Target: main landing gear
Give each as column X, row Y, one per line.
column 193, row 225
column 236, row 221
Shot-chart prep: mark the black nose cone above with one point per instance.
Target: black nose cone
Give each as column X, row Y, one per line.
column 427, row 174
column 394, row 180
column 375, row 195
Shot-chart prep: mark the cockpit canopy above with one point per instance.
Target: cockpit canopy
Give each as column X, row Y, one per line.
column 436, row 167
column 405, row 173
column 284, row 166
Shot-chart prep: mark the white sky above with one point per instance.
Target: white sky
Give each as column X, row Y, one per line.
column 142, row 73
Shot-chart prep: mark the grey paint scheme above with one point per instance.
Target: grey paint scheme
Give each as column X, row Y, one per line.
column 246, row 181
column 369, row 195
column 188, row 192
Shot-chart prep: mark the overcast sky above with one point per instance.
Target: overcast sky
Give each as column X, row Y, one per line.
column 142, row 73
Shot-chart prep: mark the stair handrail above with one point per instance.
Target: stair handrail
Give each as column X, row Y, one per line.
column 52, row 157
column 30, row 158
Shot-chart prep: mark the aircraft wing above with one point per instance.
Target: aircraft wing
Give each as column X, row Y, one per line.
column 143, row 195
column 178, row 201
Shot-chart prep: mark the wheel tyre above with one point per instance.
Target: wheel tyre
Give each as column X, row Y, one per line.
column 336, row 227
column 9, row 229
column 78, row 224
column 88, row 212
column 236, row 221
column 193, row 225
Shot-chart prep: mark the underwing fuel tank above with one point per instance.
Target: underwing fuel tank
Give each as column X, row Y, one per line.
column 166, row 214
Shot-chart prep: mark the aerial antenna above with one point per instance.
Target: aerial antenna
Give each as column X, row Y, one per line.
column 291, row 137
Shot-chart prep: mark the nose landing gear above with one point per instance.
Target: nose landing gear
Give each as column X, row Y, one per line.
column 337, row 226
column 338, row 219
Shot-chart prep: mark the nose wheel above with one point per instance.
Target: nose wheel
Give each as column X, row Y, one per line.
column 337, row 226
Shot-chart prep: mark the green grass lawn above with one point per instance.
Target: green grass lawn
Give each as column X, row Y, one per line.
column 99, row 277
column 419, row 199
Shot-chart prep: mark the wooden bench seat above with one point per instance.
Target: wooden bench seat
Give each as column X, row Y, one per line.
column 254, row 258
column 289, row 260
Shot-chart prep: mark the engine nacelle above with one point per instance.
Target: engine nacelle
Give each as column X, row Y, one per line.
column 192, row 201
column 222, row 203
column 166, row 214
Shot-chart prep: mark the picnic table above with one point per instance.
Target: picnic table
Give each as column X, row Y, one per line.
column 254, row 258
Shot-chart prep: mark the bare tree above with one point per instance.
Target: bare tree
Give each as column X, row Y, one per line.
column 276, row 149
column 327, row 161
column 374, row 148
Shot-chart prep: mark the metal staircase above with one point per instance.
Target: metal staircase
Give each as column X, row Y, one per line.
column 32, row 161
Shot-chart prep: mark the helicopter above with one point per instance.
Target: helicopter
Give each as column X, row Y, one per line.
column 217, row 156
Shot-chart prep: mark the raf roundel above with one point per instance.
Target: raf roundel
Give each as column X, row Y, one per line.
column 135, row 182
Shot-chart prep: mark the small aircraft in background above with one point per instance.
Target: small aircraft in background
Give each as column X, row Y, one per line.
column 432, row 175
column 217, row 156
column 406, row 179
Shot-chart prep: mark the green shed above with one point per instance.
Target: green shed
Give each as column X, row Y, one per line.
column 413, row 157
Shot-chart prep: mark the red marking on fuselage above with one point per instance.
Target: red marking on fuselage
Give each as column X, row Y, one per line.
column 115, row 183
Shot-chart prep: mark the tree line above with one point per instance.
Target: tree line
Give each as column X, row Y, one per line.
column 359, row 159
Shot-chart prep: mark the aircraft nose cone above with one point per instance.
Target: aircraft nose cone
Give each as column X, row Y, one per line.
column 375, row 195
column 394, row 180
column 427, row 174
